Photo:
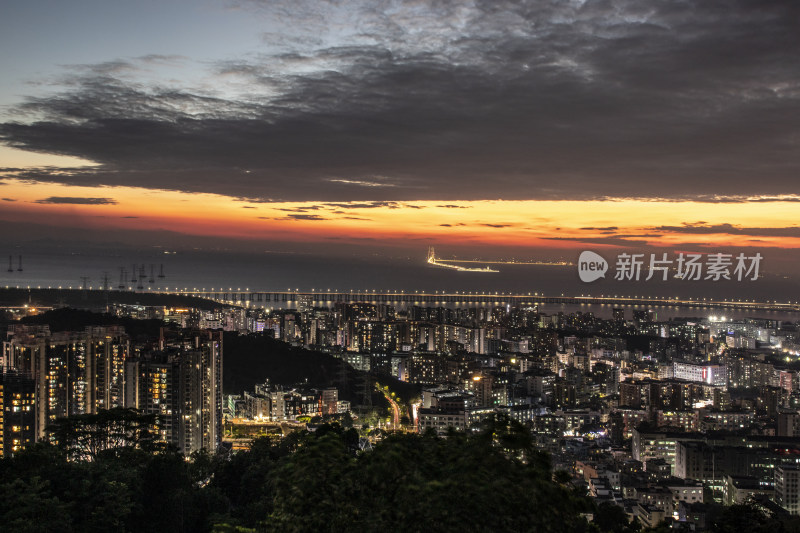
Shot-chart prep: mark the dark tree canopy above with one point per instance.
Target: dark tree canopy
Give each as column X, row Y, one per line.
column 87, row 436
column 104, row 475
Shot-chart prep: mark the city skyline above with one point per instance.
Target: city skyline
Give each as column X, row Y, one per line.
column 484, row 128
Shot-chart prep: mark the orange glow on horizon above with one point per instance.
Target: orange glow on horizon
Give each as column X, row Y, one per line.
column 566, row 225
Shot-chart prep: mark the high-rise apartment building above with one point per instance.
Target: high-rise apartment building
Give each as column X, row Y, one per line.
column 17, row 414
column 73, row 373
column 182, row 386
column 201, row 393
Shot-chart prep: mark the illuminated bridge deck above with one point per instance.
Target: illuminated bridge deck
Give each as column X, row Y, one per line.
column 326, row 298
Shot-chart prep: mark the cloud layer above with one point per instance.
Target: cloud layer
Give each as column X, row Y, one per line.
column 76, row 201
column 451, row 100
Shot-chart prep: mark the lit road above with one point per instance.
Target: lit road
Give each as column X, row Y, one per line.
column 290, row 298
column 536, row 263
column 395, row 407
column 324, row 298
column 438, row 261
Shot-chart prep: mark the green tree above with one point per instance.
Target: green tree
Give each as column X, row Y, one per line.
column 613, row 519
column 86, row 436
column 490, row 480
column 30, row 507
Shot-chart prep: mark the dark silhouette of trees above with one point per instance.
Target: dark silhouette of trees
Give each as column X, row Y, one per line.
column 115, row 482
column 113, row 430
column 490, row 480
column 751, row 517
column 104, row 474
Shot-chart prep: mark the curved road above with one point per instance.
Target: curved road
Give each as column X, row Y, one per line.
column 395, row 407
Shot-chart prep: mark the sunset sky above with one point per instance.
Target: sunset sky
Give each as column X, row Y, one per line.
column 485, row 128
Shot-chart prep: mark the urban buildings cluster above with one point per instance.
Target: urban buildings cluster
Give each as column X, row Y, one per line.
column 49, row 375
column 667, row 419
column 275, row 403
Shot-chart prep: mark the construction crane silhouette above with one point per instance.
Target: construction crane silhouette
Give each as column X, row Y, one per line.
column 122, row 275
column 19, row 268
column 152, row 278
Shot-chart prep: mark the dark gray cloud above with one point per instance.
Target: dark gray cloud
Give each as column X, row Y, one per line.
column 626, row 240
column 304, row 217
column 720, row 199
column 77, row 201
column 698, row 228
column 443, row 100
column 776, row 199
column 9, row 199
column 300, row 209
column 362, row 205
column 345, row 205
column 731, row 229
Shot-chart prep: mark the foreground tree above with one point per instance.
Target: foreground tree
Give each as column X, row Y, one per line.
column 105, row 475
column 86, row 436
column 492, row 480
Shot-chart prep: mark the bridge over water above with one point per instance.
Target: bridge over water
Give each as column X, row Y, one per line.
column 290, row 299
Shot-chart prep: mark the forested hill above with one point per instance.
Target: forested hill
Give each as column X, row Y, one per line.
column 96, row 300
column 67, row 319
column 250, row 359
